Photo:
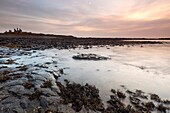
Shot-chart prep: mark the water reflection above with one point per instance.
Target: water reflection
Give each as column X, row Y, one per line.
column 145, row 68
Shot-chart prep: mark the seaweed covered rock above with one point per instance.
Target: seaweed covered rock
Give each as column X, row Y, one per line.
column 162, row 108
column 149, row 105
column 81, row 95
column 155, row 97
column 89, row 57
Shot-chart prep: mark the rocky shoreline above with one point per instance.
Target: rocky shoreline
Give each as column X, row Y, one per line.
column 24, row 89
column 66, row 43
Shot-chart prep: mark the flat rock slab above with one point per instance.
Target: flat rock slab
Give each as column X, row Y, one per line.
column 89, row 57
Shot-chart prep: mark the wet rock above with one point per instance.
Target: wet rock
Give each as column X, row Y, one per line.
column 162, row 108
column 113, row 91
column 166, row 102
column 89, row 57
column 116, row 107
column 43, row 102
column 134, row 100
column 61, row 71
column 9, row 61
column 24, row 104
column 4, row 78
column 48, row 63
column 140, row 94
column 131, row 110
column 149, row 106
column 17, row 76
column 47, row 92
column 55, row 89
column 43, row 66
column 22, row 68
column 5, row 72
column 114, row 97
column 130, row 92
column 47, row 84
column 79, row 96
column 141, row 108
column 155, row 97
column 12, row 105
column 2, row 56
column 115, row 102
column 139, row 91
column 28, row 85
column 39, row 77
column 2, row 97
column 35, row 95
column 121, row 95
column 1, row 67
column 20, row 90
column 15, row 82
column 29, row 77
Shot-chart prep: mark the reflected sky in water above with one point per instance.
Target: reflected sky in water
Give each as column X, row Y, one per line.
column 145, row 68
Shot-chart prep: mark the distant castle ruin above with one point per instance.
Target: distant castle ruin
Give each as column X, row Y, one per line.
column 16, row 30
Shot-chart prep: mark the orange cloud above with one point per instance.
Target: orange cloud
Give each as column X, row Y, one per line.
column 151, row 12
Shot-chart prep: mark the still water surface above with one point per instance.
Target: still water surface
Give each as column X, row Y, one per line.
column 146, row 68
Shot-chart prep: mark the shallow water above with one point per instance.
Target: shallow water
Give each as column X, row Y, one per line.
column 146, row 68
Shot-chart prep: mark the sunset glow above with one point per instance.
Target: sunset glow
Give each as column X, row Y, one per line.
column 114, row 18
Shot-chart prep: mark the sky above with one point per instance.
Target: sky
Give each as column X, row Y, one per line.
column 96, row 18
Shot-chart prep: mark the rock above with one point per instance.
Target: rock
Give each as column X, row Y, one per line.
column 149, row 106
column 130, row 92
column 48, row 63
column 114, row 97
column 4, row 78
column 89, row 57
column 47, row 92
column 28, row 85
column 47, row 84
column 113, row 91
column 12, row 105
column 22, row 68
column 140, row 94
column 155, row 97
column 35, row 95
column 3, row 67
column 43, row 102
column 55, row 89
column 9, row 61
column 39, row 77
column 80, row 95
column 15, row 82
column 134, row 100
column 61, row 71
column 24, row 104
column 77, row 105
column 166, row 101
column 20, row 90
column 121, row 95
column 162, row 108
column 141, row 108
column 17, row 110
column 2, row 97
